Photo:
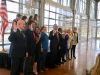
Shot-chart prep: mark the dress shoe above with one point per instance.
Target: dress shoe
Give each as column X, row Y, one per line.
column 60, row 62
column 75, row 57
column 55, row 66
column 45, row 68
column 40, row 71
column 35, row 74
column 52, row 67
column 64, row 60
column 69, row 59
column 57, row 63
column 30, row 72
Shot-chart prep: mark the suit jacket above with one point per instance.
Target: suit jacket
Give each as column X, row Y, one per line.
column 61, row 41
column 53, row 41
column 18, row 44
column 30, row 42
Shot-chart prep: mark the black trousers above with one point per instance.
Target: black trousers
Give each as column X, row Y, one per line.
column 41, row 62
column 73, row 50
column 53, row 56
column 58, row 56
column 16, row 65
column 62, row 53
column 28, row 64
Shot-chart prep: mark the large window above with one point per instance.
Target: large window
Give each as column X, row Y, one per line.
column 81, row 6
column 98, row 29
column 92, row 29
column 24, row 7
column 92, row 8
column 54, row 15
column 66, row 3
column 84, row 24
column 98, row 12
column 63, row 2
column 81, row 24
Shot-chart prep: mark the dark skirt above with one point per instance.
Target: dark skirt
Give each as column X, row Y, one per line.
column 37, row 54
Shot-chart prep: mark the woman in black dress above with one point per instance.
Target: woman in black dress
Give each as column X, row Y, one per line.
column 38, row 48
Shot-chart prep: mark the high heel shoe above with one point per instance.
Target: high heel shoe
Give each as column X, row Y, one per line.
column 35, row 74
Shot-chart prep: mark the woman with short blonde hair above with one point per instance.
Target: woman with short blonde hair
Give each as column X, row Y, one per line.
column 74, row 42
column 74, row 28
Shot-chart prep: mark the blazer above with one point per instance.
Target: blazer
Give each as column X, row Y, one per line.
column 53, row 40
column 75, row 38
column 69, row 42
column 61, row 40
column 30, row 42
column 18, row 44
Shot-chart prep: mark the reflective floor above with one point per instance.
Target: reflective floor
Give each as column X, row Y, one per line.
column 86, row 53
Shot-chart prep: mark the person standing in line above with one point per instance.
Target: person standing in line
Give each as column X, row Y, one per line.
column 69, row 43
column 61, row 44
column 66, row 43
column 54, row 46
column 18, row 17
column 30, row 45
column 25, row 18
column 17, row 48
column 74, row 41
column 43, row 55
column 31, row 18
column 38, row 48
column 36, row 19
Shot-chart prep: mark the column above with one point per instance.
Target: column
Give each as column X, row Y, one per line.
column 74, row 12
column 88, row 16
column 42, row 13
column 96, row 17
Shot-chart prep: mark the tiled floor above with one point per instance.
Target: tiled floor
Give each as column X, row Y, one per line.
column 86, row 53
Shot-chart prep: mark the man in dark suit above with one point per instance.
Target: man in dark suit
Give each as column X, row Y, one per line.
column 58, row 61
column 61, row 44
column 30, row 45
column 17, row 47
column 54, row 41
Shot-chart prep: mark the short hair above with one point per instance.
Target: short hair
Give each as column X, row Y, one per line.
column 59, row 29
column 75, row 28
column 30, row 22
column 42, row 28
column 64, row 30
column 24, row 17
column 18, row 15
column 30, row 18
column 68, row 30
column 54, row 25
